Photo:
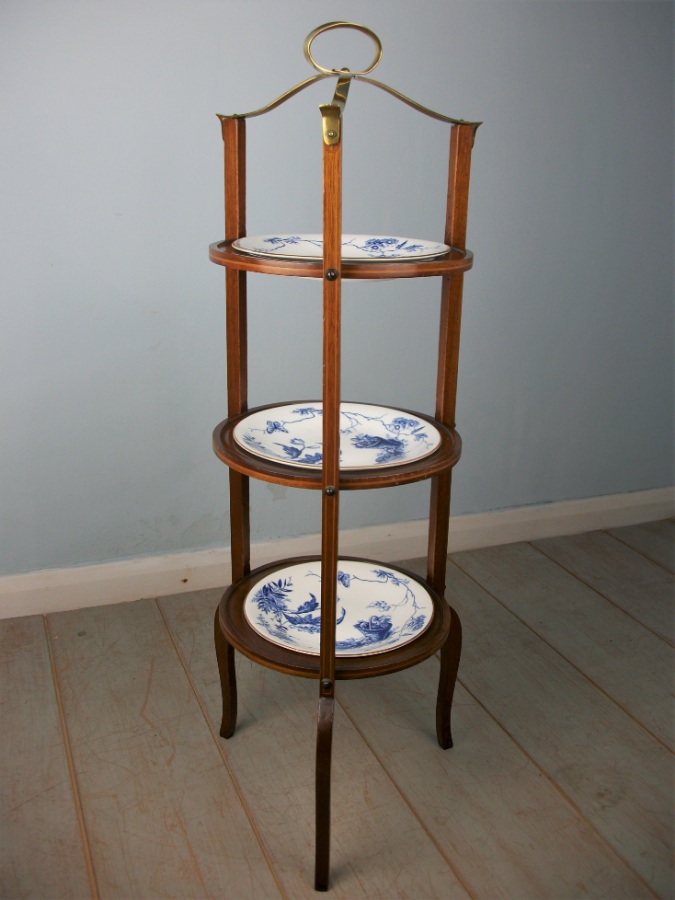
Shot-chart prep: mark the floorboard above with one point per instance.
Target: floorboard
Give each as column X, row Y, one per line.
column 596, row 636
column 655, row 540
column 622, row 575
column 115, row 783
column 505, row 826
column 163, row 816
column 604, row 762
column 43, row 854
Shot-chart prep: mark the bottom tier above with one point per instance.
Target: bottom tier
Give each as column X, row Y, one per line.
column 387, row 618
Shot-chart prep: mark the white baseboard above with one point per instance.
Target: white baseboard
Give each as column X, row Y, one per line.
column 55, row 590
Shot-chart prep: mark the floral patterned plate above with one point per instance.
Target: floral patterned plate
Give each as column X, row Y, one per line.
column 378, row 608
column 354, row 246
column 370, row 436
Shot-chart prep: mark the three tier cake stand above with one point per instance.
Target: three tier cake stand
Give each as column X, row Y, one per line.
column 332, row 617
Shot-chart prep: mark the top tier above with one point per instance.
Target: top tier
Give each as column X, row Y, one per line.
column 331, row 261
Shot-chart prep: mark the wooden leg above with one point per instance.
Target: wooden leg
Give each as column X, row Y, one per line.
column 324, row 746
column 439, row 524
column 450, row 653
column 240, row 525
column 228, row 680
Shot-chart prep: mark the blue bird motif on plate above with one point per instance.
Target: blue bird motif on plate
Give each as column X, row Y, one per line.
column 303, row 614
column 376, row 628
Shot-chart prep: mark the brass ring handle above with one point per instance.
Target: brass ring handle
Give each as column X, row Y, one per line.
column 329, row 27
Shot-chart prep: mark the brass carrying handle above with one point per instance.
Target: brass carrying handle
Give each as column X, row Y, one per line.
column 329, row 26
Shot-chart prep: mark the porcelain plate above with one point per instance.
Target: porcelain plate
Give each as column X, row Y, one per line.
column 354, row 246
column 370, row 436
column 378, row 608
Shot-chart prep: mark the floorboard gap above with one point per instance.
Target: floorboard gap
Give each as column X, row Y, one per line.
column 91, row 872
column 562, row 656
column 568, row 800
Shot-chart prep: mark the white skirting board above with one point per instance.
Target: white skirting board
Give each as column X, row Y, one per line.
column 54, row 590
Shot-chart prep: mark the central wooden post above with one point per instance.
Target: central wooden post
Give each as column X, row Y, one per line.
column 330, row 483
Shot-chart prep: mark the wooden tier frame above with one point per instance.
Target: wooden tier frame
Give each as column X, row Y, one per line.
column 224, row 254
column 244, row 461
column 232, row 631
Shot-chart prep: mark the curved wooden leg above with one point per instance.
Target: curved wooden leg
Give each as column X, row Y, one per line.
column 450, row 653
column 228, row 680
column 324, row 742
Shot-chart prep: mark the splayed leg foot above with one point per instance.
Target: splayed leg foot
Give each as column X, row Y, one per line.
column 450, row 654
column 228, row 680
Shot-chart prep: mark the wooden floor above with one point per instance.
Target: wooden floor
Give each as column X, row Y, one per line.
column 115, row 784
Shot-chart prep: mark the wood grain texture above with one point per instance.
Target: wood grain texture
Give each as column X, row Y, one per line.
column 552, row 790
column 234, row 177
column 642, row 588
column 602, row 760
column 655, row 540
column 378, row 847
column 330, row 465
column 594, row 635
column 236, row 306
column 456, row 260
column 162, row 813
column 459, row 172
column 487, row 806
column 42, row 854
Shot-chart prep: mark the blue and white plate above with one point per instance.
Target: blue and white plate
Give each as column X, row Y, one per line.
column 378, row 608
column 354, row 246
column 370, row 436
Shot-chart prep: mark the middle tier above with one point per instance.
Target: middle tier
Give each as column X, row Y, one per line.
column 380, row 446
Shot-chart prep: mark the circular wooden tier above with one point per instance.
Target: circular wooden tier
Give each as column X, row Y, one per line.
column 456, row 260
column 241, row 460
column 239, row 633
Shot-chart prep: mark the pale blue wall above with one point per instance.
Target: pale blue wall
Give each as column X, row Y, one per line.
column 111, row 343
